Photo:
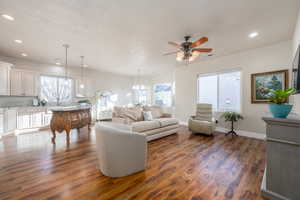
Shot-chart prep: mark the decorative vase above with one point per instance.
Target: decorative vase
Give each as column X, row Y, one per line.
column 280, row 110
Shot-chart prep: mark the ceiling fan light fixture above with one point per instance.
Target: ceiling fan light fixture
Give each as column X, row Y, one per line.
column 180, row 56
column 187, row 51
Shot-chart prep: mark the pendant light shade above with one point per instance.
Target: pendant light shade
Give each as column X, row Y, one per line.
column 66, row 46
column 82, row 66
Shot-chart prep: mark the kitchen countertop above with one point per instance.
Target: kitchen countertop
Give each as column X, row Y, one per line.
column 69, row 108
column 22, row 106
column 52, row 108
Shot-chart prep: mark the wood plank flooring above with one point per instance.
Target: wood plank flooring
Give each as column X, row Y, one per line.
column 180, row 167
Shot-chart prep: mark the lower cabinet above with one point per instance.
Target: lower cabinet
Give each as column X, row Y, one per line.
column 12, row 119
column 33, row 118
column 8, row 120
column 11, row 122
column 1, row 122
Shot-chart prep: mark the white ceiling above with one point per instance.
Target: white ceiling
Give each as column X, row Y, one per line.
column 121, row 36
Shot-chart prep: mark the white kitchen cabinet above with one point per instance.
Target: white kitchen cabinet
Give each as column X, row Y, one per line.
column 16, row 83
column 1, row 122
column 36, row 119
column 29, row 83
column 23, row 83
column 33, row 117
column 4, row 78
column 23, row 120
column 47, row 118
column 10, row 120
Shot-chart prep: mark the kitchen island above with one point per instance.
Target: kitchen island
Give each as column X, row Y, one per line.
column 66, row 118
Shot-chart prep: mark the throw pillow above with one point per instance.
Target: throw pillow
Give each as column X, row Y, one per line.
column 147, row 115
column 155, row 113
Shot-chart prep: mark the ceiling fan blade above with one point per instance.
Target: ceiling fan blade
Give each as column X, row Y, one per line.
column 174, row 44
column 170, row 53
column 199, row 42
column 203, row 50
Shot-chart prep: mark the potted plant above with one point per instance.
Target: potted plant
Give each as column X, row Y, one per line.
column 278, row 98
column 231, row 117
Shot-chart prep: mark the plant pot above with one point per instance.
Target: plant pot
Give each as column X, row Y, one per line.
column 280, row 110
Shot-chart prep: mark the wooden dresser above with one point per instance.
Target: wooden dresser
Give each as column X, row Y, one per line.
column 68, row 118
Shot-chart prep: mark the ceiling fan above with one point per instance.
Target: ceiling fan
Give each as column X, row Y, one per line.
column 187, row 50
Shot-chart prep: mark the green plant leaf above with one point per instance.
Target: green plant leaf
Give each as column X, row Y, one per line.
column 280, row 96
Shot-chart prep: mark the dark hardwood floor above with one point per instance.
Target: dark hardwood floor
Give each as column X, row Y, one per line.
column 180, row 167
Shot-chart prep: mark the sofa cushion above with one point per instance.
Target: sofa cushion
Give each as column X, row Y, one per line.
column 144, row 125
column 161, row 129
column 133, row 113
column 156, row 111
column 167, row 121
column 147, row 115
column 137, row 112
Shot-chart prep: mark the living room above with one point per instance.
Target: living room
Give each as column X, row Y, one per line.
column 140, row 100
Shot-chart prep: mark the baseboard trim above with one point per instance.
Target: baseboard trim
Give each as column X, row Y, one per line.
column 260, row 136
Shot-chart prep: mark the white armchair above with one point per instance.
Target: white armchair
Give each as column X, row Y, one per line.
column 120, row 151
column 203, row 122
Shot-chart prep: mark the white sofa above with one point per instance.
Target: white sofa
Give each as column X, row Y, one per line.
column 162, row 124
column 120, row 151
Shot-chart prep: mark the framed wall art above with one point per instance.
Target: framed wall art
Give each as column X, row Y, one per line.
column 263, row 83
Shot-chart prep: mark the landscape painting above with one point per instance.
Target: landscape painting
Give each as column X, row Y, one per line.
column 263, row 83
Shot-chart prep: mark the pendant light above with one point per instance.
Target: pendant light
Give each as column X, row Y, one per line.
column 82, row 66
column 66, row 46
column 138, row 85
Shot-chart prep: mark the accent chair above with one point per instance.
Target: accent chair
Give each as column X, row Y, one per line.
column 120, row 151
column 202, row 122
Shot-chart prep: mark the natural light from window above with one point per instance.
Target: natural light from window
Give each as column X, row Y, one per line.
column 163, row 94
column 55, row 89
column 222, row 90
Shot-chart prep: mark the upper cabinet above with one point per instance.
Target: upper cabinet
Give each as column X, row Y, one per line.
column 29, row 81
column 4, row 78
column 23, row 83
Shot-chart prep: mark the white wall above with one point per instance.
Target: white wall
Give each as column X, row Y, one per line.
column 296, row 42
column 96, row 80
column 270, row 58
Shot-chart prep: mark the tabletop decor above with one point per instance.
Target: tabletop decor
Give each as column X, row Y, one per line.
column 279, row 98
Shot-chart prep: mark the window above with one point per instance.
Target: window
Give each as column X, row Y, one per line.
column 163, row 94
column 56, row 89
column 141, row 94
column 222, row 90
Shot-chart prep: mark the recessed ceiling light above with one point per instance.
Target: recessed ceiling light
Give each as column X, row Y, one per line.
column 19, row 41
column 8, row 17
column 24, row 54
column 253, row 35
